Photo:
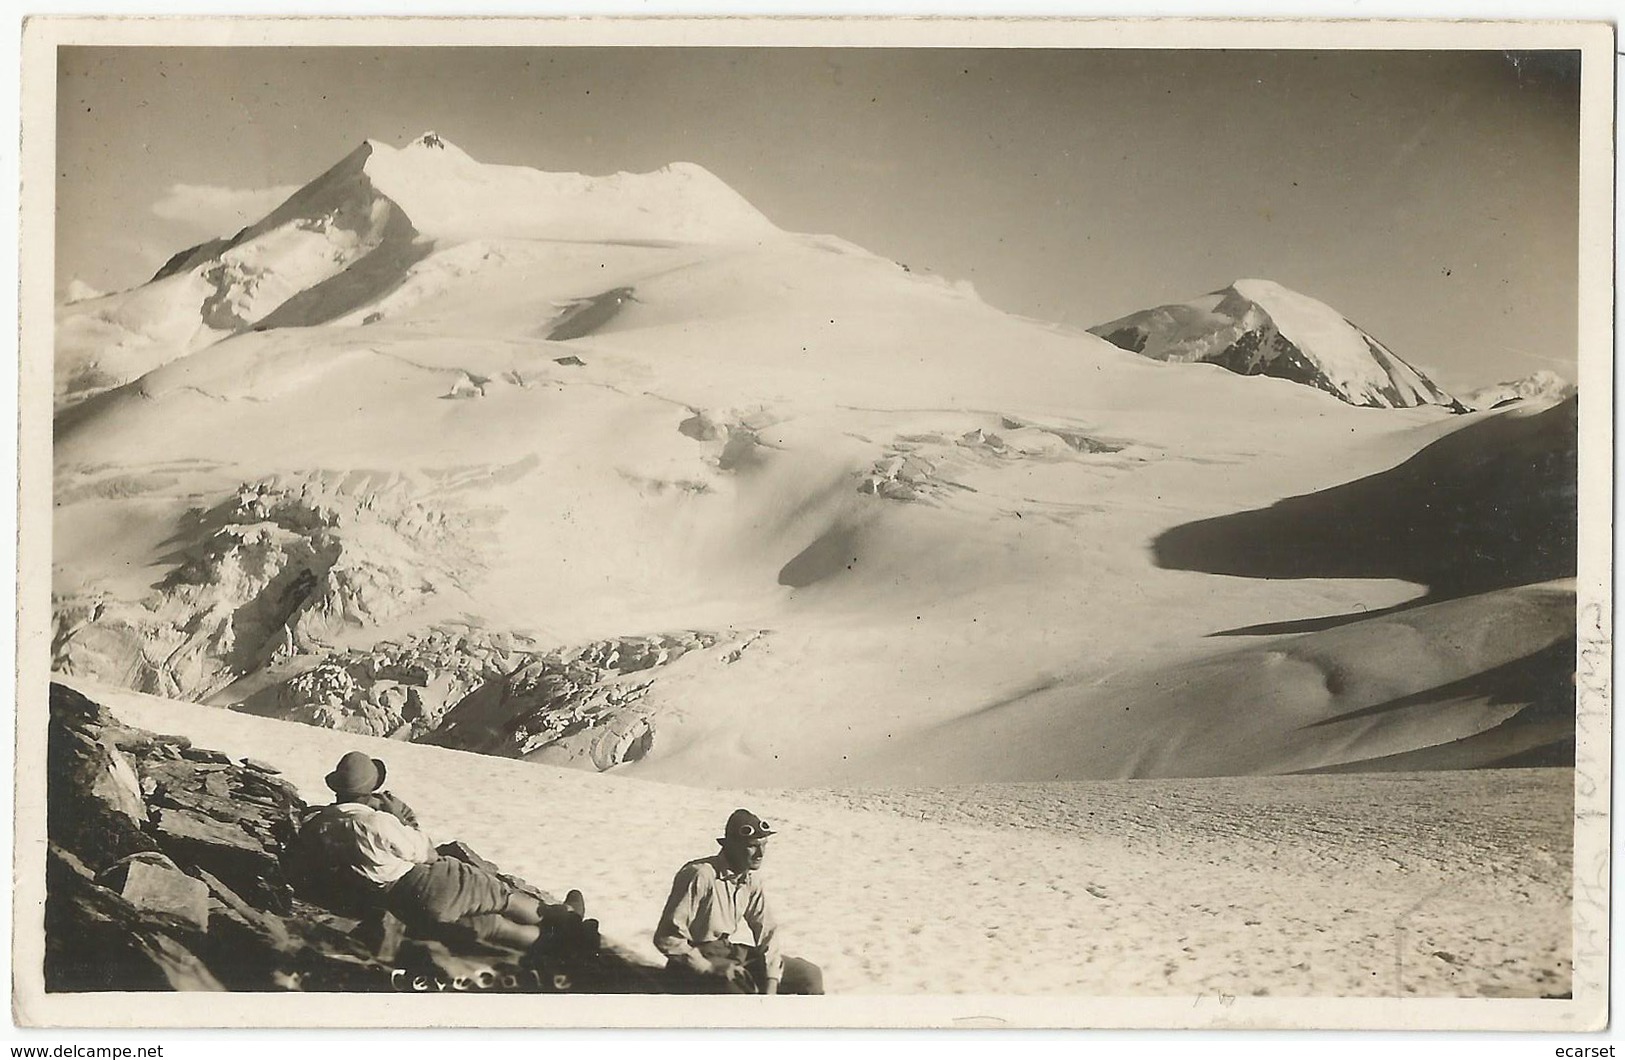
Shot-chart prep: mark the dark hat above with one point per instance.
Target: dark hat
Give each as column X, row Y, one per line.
column 356, row 774
column 745, row 826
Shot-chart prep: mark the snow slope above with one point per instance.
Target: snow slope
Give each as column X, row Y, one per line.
column 452, row 198
column 1258, row 327
column 1446, row 685
column 1285, row 887
column 789, row 505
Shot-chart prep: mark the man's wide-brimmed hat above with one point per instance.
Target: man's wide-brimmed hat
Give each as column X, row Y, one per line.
column 744, row 826
column 356, row 774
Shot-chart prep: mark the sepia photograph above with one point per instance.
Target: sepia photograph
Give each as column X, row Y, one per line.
column 967, row 523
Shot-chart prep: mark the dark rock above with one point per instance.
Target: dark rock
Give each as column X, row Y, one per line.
column 250, row 784
column 226, row 851
column 94, row 804
column 261, row 767
column 95, row 940
column 115, row 874
column 262, row 801
column 223, row 809
column 228, row 898
column 382, row 933
column 139, row 741
column 173, row 827
column 251, row 949
column 72, row 708
column 586, row 315
column 245, row 956
column 165, row 889
column 199, row 754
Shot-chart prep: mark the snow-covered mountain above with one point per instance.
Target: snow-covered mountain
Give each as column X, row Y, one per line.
column 1257, row 327
column 612, row 472
column 351, row 236
column 1543, row 385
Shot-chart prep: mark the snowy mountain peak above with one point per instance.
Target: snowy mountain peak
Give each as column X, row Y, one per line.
column 1544, row 385
column 356, row 231
column 1260, row 327
column 451, row 197
column 429, row 149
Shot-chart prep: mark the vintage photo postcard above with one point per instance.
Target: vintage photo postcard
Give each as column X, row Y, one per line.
column 814, row 523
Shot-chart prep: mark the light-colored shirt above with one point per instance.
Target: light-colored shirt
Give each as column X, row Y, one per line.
column 709, row 900
column 373, row 843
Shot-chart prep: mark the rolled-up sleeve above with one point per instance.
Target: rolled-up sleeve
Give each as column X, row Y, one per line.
column 402, row 840
column 674, row 935
column 765, row 927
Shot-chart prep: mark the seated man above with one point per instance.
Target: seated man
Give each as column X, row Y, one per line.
column 396, row 865
column 710, row 897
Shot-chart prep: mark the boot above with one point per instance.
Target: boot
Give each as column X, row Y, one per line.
column 587, row 940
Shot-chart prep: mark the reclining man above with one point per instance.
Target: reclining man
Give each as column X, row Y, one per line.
column 709, row 899
column 397, row 866
column 360, row 779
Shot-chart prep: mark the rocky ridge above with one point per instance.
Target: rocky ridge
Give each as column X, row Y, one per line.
column 1256, row 327
column 173, row 867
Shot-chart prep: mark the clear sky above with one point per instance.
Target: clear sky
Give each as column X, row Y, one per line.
column 1430, row 197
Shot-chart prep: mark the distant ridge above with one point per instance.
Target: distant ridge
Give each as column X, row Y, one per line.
column 1543, row 385
column 1258, row 327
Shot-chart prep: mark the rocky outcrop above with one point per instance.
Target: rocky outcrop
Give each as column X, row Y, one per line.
column 586, row 315
column 400, row 688
column 172, row 867
column 268, row 573
column 496, row 693
column 334, row 244
column 1256, row 327
column 920, row 467
column 579, row 707
column 741, row 446
column 178, row 881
